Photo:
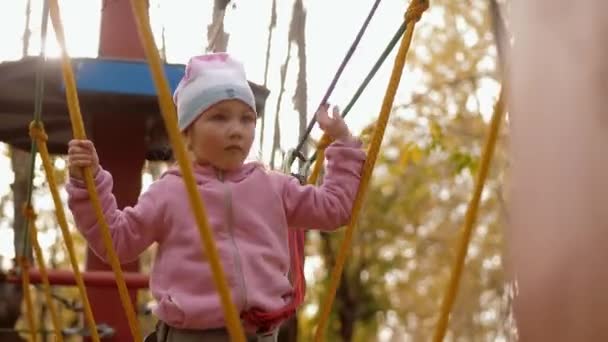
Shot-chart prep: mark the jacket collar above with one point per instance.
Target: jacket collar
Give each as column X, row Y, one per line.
column 206, row 173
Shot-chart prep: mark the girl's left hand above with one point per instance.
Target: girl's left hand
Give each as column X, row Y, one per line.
column 333, row 126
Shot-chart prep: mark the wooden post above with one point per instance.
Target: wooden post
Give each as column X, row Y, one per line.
column 120, row 142
column 558, row 236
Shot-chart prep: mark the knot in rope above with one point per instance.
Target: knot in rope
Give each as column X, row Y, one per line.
column 28, row 211
column 37, row 132
column 415, row 10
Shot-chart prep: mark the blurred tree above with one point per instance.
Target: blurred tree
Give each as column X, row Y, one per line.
column 405, row 243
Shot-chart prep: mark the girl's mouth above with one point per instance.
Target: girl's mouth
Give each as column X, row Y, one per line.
column 234, row 148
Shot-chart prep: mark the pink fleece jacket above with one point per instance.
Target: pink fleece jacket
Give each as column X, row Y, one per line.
column 249, row 212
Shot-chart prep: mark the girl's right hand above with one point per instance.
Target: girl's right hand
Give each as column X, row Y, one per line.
column 333, row 126
column 81, row 154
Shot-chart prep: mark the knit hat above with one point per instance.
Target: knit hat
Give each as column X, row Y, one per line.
column 209, row 79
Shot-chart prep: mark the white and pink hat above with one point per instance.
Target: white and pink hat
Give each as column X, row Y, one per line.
column 209, row 79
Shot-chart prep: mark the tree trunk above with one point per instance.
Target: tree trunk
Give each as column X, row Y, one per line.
column 347, row 309
column 297, row 34
column 271, row 27
column 276, row 140
column 217, row 39
column 26, row 32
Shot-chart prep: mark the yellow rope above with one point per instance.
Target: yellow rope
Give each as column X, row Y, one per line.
column 24, row 264
column 412, row 15
column 316, row 170
column 28, row 213
column 79, row 133
column 233, row 323
column 471, row 214
column 40, row 137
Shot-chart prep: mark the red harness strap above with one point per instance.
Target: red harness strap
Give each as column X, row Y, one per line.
column 267, row 320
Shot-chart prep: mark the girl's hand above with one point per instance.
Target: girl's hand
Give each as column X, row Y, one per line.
column 81, row 153
column 333, row 126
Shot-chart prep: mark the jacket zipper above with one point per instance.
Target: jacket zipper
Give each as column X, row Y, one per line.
column 230, row 224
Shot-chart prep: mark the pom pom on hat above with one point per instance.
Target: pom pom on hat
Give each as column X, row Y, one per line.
column 209, row 79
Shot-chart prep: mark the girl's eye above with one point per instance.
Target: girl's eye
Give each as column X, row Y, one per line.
column 218, row 117
column 248, row 119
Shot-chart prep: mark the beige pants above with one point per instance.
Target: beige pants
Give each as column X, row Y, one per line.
column 165, row 333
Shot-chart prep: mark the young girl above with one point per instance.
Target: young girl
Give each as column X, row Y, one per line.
column 250, row 209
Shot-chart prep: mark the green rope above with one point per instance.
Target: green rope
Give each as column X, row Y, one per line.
column 38, row 101
column 369, row 77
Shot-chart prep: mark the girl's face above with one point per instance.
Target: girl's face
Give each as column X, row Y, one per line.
column 222, row 135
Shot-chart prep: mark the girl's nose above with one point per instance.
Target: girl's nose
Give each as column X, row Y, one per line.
column 235, row 130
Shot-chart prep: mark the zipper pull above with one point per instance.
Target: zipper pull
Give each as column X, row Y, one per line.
column 220, row 175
